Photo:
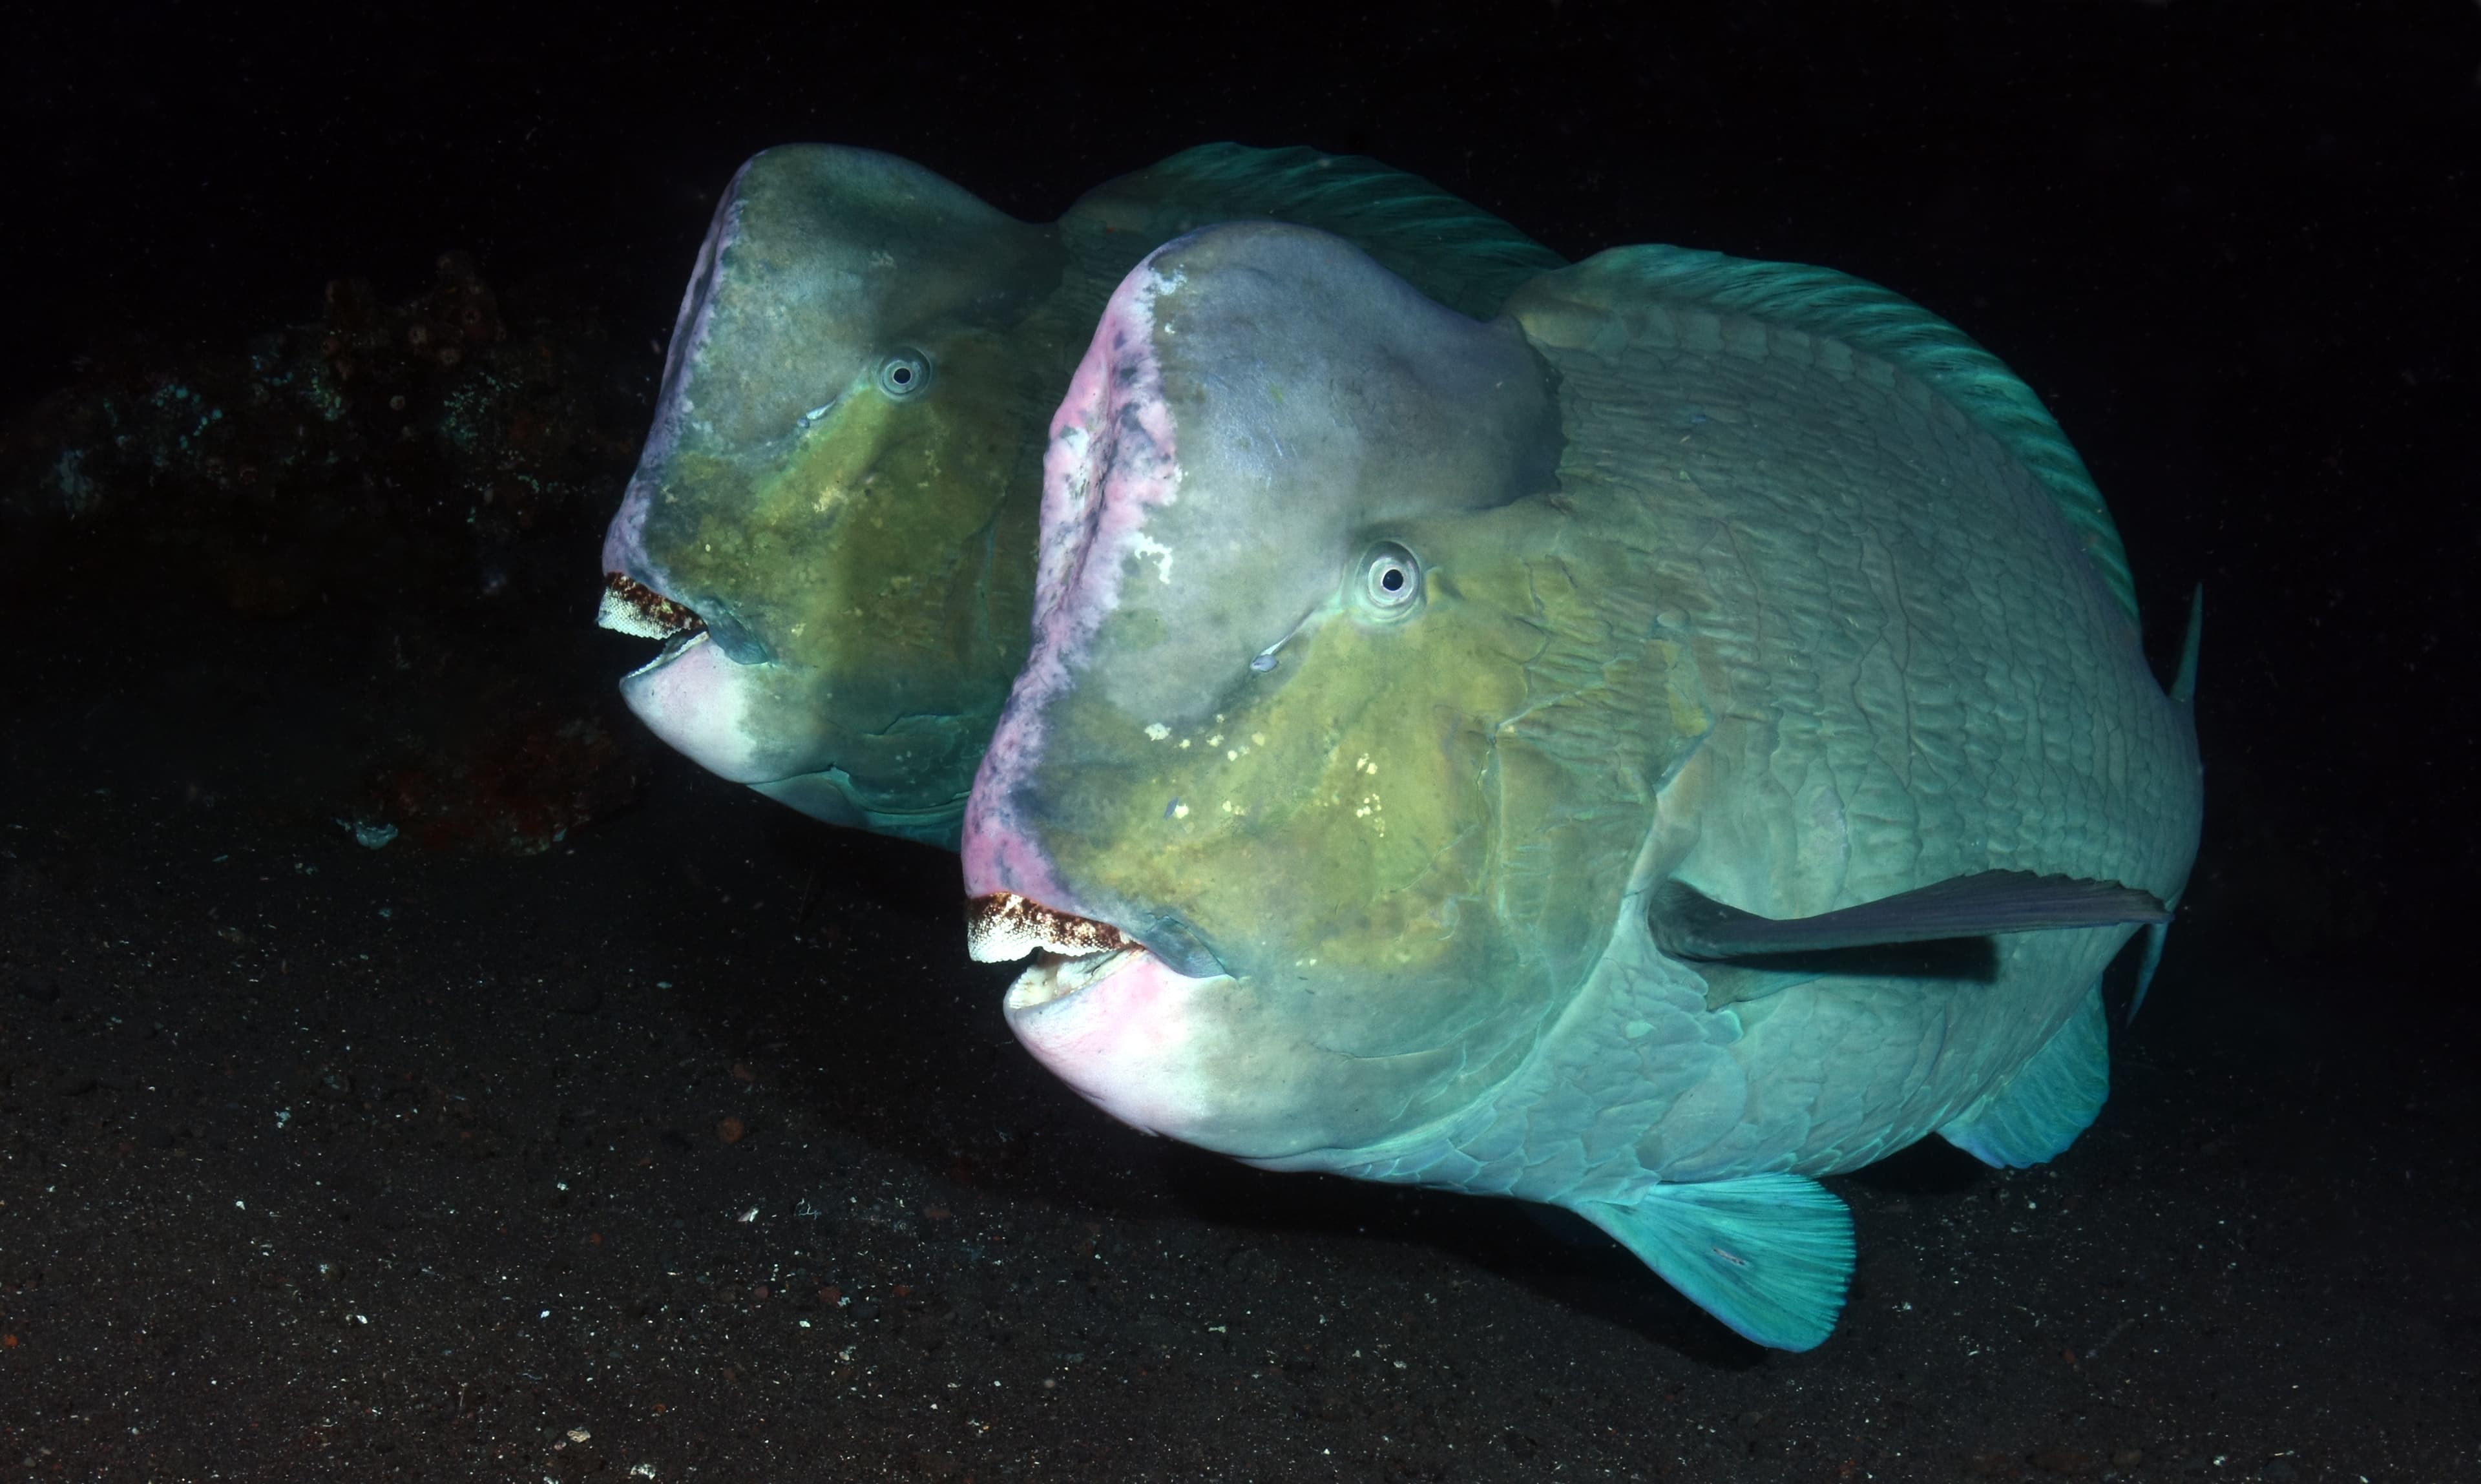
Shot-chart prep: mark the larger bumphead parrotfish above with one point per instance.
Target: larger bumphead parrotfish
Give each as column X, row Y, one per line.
column 832, row 525
column 1683, row 738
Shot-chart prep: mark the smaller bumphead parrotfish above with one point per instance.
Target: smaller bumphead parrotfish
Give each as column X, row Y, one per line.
column 1680, row 739
column 832, row 525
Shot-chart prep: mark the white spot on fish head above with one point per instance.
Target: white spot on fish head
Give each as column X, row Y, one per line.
column 1146, row 548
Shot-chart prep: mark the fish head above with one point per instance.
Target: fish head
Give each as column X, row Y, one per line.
column 818, row 528
column 1254, row 798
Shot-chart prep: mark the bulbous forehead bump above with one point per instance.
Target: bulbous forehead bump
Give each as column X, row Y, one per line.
column 1311, row 396
column 820, row 258
column 834, row 483
column 1256, row 400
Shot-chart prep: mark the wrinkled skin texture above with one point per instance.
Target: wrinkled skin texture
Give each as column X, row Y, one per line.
column 841, row 488
column 1783, row 624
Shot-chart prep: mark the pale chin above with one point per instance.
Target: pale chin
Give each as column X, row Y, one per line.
column 698, row 701
column 1127, row 1041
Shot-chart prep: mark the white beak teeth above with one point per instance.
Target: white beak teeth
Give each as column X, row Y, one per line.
column 1004, row 928
column 622, row 616
column 632, row 608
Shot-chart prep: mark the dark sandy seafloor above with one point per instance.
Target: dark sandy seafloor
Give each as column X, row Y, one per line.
column 693, row 1147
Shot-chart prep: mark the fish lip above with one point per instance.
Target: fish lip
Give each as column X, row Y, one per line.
column 1182, row 950
column 675, row 646
column 1058, row 976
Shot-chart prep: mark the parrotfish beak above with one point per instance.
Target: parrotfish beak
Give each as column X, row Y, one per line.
column 692, row 695
column 630, row 607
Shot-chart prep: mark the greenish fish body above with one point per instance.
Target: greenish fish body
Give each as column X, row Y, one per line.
column 1398, row 676
column 832, row 525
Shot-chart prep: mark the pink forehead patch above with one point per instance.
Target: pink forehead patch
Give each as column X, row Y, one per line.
column 624, row 541
column 1113, row 456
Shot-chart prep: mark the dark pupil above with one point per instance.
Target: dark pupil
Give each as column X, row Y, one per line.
column 1393, row 580
column 901, row 376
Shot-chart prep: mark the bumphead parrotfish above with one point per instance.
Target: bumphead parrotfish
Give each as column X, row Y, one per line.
column 1680, row 739
column 832, row 525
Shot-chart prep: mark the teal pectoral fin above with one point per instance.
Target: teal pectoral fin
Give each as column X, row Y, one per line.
column 2053, row 1098
column 1768, row 1255
column 1687, row 924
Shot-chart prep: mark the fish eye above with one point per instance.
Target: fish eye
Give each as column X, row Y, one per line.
column 905, row 372
column 1391, row 580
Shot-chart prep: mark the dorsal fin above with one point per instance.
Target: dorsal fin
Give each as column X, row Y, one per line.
column 1884, row 323
column 1448, row 248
